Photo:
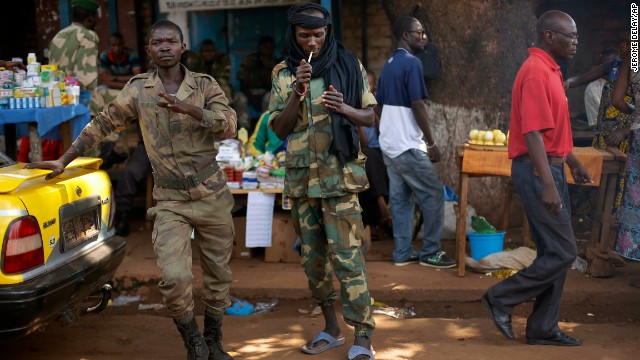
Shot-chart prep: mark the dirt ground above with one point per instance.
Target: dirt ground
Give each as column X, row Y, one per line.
column 450, row 322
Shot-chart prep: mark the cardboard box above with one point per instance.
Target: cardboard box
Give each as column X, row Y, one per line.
column 240, row 250
column 283, row 237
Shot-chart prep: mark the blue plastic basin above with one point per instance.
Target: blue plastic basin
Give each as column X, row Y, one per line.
column 485, row 244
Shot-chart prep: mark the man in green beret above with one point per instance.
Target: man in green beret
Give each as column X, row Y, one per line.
column 75, row 48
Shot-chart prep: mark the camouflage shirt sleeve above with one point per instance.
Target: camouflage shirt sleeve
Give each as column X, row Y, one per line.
column 217, row 114
column 280, row 91
column 115, row 117
column 367, row 97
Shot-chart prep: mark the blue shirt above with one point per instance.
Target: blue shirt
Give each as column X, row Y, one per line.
column 372, row 136
column 401, row 82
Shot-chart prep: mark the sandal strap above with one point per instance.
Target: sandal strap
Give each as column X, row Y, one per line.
column 323, row 336
column 356, row 350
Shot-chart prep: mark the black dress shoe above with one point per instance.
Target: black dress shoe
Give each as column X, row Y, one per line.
column 557, row 338
column 501, row 319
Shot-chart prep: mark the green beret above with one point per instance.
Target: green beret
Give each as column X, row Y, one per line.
column 87, row 4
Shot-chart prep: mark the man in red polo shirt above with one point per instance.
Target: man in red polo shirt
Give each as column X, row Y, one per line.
column 540, row 143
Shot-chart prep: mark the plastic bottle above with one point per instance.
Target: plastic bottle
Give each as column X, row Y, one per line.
column 31, row 58
column 243, row 136
column 482, row 226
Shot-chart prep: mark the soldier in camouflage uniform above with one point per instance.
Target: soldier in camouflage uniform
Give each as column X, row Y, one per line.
column 218, row 65
column 210, row 61
column 254, row 74
column 319, row 109
column 74, row 49
column 180, row 115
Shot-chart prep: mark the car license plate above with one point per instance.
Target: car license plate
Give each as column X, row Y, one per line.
column 80, row 228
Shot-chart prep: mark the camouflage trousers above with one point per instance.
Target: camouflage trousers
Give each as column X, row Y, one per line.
column 331, row 231
column 174, row 221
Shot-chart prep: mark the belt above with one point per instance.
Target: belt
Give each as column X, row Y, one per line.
column 188, row 182
column 553, row 160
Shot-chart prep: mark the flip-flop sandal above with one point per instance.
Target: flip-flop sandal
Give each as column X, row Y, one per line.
column 356, row 350
column 331, row 343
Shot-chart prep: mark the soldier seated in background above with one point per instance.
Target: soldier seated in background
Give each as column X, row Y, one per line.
column 211, row 62
column 255, row 81
column 218, row 65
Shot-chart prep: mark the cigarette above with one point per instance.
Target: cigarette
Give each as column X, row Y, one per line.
column 310, row 55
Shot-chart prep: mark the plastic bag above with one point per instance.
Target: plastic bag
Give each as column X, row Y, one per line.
column 517, row 259
column 395, row 312
column 123, row 300
column 265, row 307
column 450, row 221
column 449, row 194
column 239, row 307
column 580, row 264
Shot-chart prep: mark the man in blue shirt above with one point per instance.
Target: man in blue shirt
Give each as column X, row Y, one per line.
column 404, row 121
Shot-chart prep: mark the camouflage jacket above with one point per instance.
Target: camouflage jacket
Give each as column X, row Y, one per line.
column 75, row 50
column 311, row 170
column 255, row 74
column 177, row 144
column 220, row 69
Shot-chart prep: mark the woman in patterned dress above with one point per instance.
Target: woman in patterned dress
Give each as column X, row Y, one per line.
column 628, row 239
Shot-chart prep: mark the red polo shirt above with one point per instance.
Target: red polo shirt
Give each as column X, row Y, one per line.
column 538, row 102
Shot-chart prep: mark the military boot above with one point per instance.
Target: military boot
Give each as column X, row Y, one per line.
column 193, row 341
column 213, row 336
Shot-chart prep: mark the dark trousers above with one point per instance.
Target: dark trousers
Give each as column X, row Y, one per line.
column 132, row 176
column 553, row 236
column 378, row 186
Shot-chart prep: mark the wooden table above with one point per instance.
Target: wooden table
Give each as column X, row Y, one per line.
column 603, row 165
column 149, row 195
column 266, row 191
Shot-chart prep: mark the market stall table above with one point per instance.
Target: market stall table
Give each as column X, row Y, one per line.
column 71, row 119
column 479, row 161
column 266, row 191
column 282, row 234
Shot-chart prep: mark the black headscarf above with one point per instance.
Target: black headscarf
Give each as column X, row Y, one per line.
column 338, row 67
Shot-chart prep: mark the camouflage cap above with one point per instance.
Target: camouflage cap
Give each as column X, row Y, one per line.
column 87, row 4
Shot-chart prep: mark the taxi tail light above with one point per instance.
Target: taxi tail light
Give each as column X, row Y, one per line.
column 112, row 210
column 23, row 247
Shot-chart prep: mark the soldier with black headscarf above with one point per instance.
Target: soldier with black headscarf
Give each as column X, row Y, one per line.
column 320, row 94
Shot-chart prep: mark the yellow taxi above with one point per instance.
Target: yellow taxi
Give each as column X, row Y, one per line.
column 57, row 243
